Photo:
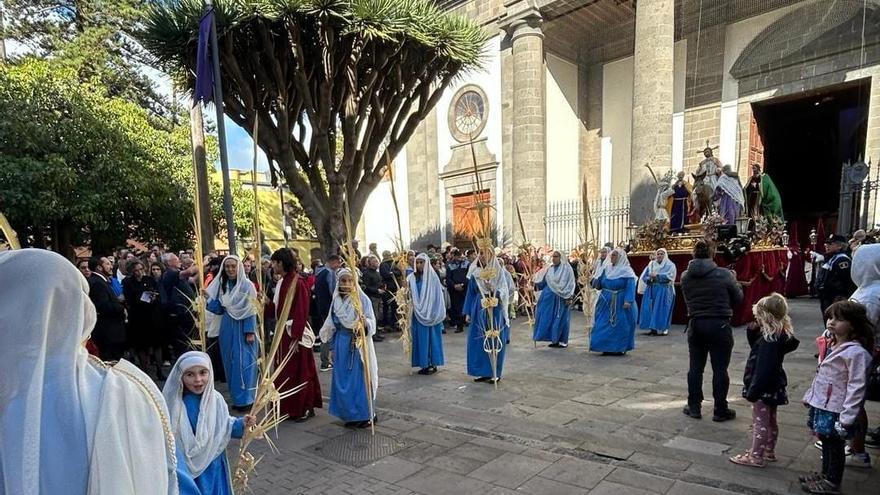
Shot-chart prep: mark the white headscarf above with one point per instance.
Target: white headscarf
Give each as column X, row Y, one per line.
column 560, row 280
column 731, row 186
column 347, row 315
column 214, row 426
column 238, row 300
column 866, row 275
column 621, row 269
column 429, row 304
column 69, row 423
column 502, row 282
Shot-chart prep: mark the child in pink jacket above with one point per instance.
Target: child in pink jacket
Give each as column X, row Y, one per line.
column 838, row 390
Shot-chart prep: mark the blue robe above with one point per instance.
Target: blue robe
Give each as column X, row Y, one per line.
column 427, row 342
column 657, row 303
column 215, row 479
column 348, row 394
column 552, row 316
column 614, row 328
column 185, row 483
column 239, row 357
column 478, row 363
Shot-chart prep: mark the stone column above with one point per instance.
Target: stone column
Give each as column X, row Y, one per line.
column 528, row 133
column 652, row 103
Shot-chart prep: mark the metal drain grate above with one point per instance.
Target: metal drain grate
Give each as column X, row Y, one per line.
column 358, row 448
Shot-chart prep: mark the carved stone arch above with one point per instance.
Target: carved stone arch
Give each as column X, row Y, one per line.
column 814, row 31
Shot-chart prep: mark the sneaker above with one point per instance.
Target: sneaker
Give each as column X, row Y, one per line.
column 326, row 367
column 862, row 460
column 821, row 486
column 724, row 416
column 872, row 441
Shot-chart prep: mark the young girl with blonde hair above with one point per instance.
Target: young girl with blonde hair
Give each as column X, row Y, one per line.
column 771, row 337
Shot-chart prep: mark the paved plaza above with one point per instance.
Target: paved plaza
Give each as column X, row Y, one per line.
column 563, row 421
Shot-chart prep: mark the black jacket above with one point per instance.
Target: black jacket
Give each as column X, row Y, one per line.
column 176, row 294
column 764, row 378
column 323, row 294
column 709, row 291
column 110, row 326
column 833, row 280
column 371, row 282
column 456, row 273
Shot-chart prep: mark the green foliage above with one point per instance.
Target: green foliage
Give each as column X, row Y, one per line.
column 93, row 38
column 79, row 167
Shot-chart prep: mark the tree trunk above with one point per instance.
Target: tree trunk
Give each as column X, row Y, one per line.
column 200, row 171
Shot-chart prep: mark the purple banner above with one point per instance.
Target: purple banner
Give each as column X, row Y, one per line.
column 204, row 90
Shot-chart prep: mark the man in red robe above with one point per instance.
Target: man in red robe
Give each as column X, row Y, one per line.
column 300, row 368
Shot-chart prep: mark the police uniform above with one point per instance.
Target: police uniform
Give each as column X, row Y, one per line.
column 833, row 281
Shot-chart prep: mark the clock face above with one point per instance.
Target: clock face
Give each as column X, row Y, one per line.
column 467, row 115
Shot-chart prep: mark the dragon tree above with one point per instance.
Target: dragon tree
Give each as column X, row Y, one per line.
column 360, row 73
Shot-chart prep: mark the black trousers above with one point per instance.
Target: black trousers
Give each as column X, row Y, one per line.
column 456, row 304
column 833, row 458
column 709, row 338
column 388, row 318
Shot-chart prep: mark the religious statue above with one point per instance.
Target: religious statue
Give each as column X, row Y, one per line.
column 762, row 197
column 704, row 183
column 664, row 191
column 678, row 204
column 728, row 194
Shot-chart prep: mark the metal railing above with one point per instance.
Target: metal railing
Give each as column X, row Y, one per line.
column 858, row 197
column 564, row 224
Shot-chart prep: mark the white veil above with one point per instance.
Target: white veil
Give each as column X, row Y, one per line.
column 69, row 423
column 429, row 305
column 214, row 426
column 238, row 301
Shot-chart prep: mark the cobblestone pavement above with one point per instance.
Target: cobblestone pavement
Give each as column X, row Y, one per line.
column 563, row 421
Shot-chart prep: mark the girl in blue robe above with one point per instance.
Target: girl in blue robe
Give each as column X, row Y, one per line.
column 231, row 295
column 552, row 313
column 616, row 312
column 497, row 283
column 428, row 313
column 659, row 294
column 348, row 392
column 201, row 422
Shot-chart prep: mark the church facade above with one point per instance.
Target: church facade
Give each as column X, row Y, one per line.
column 592, row 91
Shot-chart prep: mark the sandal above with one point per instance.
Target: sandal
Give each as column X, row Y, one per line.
column 806, row 478
column 821, row 486
column 747, row 459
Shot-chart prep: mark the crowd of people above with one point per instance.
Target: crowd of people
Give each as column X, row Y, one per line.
column 142, row 306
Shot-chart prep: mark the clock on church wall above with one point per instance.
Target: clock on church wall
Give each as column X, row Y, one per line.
column 468, row 113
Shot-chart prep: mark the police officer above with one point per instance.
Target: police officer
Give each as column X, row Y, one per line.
column 833, row 281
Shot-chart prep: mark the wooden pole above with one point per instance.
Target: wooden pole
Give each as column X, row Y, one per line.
column 200, row 170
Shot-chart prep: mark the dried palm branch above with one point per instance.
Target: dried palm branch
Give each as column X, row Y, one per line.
column 526, row 253
column 8, row 233
column 402, row 293
column 588, row 253
column 360, row 330
column 198, row 304
column 267, row 398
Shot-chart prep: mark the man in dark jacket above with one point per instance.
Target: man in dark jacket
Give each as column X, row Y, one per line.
column 371, row 283
column 325, row 284
column 456, row 284
column 389, row 306
column 109, row 332
column 710, row 293
column 833, row 280
column 176, row 296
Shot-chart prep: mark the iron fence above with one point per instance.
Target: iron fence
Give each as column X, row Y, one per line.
column 858, row 197
column 564, row 224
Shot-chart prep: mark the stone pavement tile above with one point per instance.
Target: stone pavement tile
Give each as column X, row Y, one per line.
column 640, row 480
column 398, row 424
column 630, row 383
column 603, row 396
column 609, row 447
column 644, row 435
column 696, row 445
column 666, row 463
column 298, row 440
column 499, row 444
column 443, row 437
column 683, row 488
column 594, row 427
column 476, row 452
column 613, row 414
column 391, row 469
column 553, row 417
column 577, row 472
column 435, row 481
column 609, row 488
column 524, row 429
column 542, row 455
column 510, row 470
column 454, row 464
column 567, row 442
column 544, row 486
column 741, row 475
column 422, row 452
